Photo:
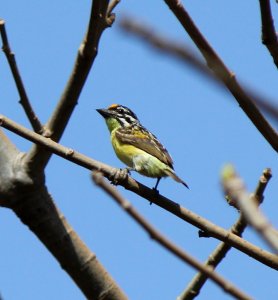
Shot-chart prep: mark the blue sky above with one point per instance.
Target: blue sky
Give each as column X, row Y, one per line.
column 200, row 124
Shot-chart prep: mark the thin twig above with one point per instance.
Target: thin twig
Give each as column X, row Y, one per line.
column 194, row 287
column 235, row 189
column 177, row 50
column 221, row 70
column 130, row 184
column 187, row 56
column 24, row 100
column 269, row 36
column 86, row 55
column 111, row 6
column 164, row 242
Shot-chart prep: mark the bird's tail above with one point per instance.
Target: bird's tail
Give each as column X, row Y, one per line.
column 172, row 174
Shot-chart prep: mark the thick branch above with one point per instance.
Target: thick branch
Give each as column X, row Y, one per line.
column 87, row 53
column 194, row 287
column 24, row 101
column 269, row 36
column 211, row 229
column 28, row 198
column 36, row 209
column 164, row 242
column 8, row 155
column 221, row 70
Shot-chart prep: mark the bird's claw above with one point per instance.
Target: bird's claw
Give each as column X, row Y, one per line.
column 156, row 191
column 119, row 175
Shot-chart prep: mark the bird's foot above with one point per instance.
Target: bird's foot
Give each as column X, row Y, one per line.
column 155, row 191
column 119, row 175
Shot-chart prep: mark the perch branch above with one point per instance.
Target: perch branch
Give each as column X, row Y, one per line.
column 211, row 229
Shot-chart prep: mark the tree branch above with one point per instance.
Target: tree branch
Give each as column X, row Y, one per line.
column 29, row 199
column 24, row 100
column 36, row 209
column 8, row 155
column 211, row 229
column 86, row 55
column 235, row 189
column 194, row 287
column 111, row 6
column 164, row 242
column 269, row 36
column 99, row 21
column 184, row 54
column 223, row 73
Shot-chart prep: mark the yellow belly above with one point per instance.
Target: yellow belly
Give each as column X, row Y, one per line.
column 141, row 161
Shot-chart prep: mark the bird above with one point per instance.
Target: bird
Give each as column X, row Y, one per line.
column 136, row 146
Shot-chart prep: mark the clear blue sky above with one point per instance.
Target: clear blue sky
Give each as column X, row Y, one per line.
column 199, row 123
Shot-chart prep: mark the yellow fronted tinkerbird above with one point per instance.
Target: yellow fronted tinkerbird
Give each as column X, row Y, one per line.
column 134, row 145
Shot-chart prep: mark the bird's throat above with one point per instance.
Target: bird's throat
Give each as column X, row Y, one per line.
column 112, row 124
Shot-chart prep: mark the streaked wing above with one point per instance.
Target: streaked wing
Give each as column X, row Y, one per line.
column 144, row 141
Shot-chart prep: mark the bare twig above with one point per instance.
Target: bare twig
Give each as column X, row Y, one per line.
column 186, row 55
column 177, row 50
column 87, row 53
column 24, row 101
column 234, row 188
column 111, row 6
column 194, row 287
column 164, row 242
column 269, row 36
column 221, row 70
column 211, row 229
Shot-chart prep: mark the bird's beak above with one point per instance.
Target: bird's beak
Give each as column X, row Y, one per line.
column 104, row 112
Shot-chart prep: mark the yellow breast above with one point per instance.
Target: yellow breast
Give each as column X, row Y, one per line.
column 138, row 159
column 125, row 152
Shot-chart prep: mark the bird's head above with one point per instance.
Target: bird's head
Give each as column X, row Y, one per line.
column 117, row 115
